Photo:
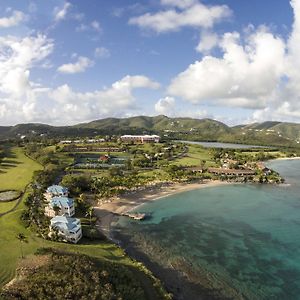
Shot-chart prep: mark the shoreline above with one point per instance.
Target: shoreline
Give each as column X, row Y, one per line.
column 286, row 158
column 108, row 212
column 174, row 280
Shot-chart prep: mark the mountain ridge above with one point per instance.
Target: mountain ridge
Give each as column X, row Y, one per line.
column 268, row 132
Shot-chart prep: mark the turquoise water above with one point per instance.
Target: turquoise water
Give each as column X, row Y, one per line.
column 238, row 241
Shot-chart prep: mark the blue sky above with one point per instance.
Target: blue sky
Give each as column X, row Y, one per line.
column 64, row 62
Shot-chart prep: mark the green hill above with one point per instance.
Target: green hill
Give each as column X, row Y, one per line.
column 154, row 124
column 266, row 133
column 275, row 131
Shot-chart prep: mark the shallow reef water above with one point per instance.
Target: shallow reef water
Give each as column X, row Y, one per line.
column 231, row 242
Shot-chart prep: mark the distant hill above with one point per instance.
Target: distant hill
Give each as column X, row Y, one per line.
column 276, row 133
column 266, row 133
column 155, row 124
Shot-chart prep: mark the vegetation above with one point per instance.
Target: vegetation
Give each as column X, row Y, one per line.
column 77, row 184
column 69, row 276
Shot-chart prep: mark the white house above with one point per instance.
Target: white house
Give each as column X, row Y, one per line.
column 69, row 229
column 56, row 191
column 141, row 138
column 66, row 207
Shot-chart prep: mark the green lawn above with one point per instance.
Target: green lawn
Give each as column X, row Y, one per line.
column 16, row 170
column 194, row 156
column 6, row 206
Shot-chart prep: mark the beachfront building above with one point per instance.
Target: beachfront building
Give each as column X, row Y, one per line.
column 56, row 191
column 140, row 138
column 231, row 172
column 69, row 229
column 61, row 206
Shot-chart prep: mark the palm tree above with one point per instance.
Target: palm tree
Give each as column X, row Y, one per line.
column 202, row 164
column 22, row 238
column 89, row 213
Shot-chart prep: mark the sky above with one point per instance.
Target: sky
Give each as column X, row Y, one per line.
column 67, row 62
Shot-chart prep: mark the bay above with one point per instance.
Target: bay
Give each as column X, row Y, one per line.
column 231, row 242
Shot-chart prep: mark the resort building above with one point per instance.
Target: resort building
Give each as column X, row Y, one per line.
column 141, row 138
column 56, row 191
column 231, row 172
column 61, row 206
column 69, row 229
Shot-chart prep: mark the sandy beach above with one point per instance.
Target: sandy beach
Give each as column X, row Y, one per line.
column 287, row 158
column 109, row 211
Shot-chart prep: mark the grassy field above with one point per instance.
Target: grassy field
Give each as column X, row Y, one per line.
column 16, row 169
column 194, row 156
column 6, row 206
column 16, row 172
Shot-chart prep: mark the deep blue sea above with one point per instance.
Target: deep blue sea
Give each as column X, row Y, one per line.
column 234, row 241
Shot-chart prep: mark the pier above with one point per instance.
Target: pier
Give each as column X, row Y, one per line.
column 135, row 216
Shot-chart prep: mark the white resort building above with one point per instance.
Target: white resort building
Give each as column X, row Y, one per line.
column 141, row 138
column 65, row 207
column 69, row 229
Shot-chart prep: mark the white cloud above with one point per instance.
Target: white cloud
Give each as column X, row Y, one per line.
column 15, row 19
column 70, row 106
column 208, row 41
column 96, row 26
column 60, row 13
column 285, row 103
column 198, row 16
column 22, row 100
column 258, row 71
column 179, row 3
column 165, row 106
column 17, row 58
column 102, row 52
column 246, row 76
column 78, row 67
column 93, row 26
column 118, row 11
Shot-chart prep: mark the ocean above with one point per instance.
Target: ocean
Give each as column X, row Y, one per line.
column 227, row 242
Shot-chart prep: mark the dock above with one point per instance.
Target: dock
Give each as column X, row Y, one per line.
column 135, row 216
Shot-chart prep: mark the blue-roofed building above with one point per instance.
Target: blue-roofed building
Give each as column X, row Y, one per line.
column 56, row 191
column 65, row 204
column 69, row 229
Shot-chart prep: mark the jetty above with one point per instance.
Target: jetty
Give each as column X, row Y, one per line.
column 135, row 216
